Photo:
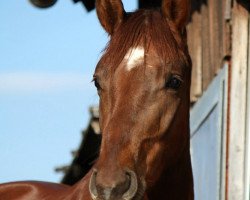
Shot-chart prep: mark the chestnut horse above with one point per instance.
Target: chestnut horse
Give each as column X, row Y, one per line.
column 143, row 80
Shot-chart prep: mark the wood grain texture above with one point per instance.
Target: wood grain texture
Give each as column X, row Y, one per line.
column 206, row 56
column 247, row 164
column 209, row 40
column 195, row 48
column 237, row 126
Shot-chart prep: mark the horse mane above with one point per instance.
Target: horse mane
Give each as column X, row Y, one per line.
column 144, row 27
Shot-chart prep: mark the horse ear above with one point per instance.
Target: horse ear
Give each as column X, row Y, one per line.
column 177, row 11
column 110, row 14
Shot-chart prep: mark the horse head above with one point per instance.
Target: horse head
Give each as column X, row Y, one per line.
column 143, row 80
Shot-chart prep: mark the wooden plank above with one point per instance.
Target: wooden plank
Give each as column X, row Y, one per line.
column 227, row 40
column 227, row 48
column 209, row 40
column 237, row 121
column 194, row 44
column 247, row 165
column 220, row 39
column 227, row 9
column 216, row 20
column 211, row 36
column 206, row 57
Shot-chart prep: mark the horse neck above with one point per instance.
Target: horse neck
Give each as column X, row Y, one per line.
column 80, row 190
column 176, row 182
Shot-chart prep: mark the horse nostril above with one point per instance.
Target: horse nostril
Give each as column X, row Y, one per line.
column 92, row 185
column 133, row 187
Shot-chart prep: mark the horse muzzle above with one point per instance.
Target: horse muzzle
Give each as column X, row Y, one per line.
column 124, row 187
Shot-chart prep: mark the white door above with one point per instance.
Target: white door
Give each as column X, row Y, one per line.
column 208, row 140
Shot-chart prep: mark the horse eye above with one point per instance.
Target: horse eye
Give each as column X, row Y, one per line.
column 96, row 83
column 174, row 83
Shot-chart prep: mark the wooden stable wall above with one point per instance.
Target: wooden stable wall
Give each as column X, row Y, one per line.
column 208, row 40
column 219, row 31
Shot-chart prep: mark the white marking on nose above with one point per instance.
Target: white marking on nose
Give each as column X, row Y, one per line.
column 134, row 57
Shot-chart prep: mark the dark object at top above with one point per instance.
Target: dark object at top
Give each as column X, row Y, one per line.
column 89, row 4
column 149, row 3
column 43, row 3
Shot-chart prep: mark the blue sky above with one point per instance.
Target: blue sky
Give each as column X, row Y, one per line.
column 47, row 58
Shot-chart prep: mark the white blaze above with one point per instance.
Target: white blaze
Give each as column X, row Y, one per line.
column 134, row 57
